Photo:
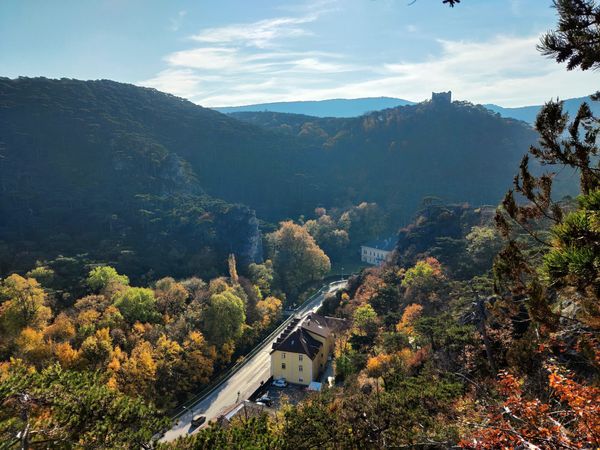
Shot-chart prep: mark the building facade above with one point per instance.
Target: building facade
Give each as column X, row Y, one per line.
column 378, row 252
column 301, row 356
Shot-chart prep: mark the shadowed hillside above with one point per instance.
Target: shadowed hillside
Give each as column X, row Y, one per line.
column 396, row 157
column 138, row 170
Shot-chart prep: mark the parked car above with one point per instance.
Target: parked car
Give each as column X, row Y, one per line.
column 198, row 420
column 281, row 383
column 265, row 400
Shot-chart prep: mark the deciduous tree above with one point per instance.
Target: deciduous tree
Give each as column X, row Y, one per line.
column 24, row 304
column 223, row 318
column 297, row 259
column 137, row 305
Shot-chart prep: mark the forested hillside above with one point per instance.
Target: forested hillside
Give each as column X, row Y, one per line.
column 398, row 156
column 139, row 171
column 150, row 248
column 359, row 106
column 117, row 173
column 482, row 330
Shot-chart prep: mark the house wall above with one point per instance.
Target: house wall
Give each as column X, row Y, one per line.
column 324, row 352
column 373, row 255
column 293, row 362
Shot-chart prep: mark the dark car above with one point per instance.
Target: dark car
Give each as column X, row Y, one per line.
column 265, row 400
column 198, row 420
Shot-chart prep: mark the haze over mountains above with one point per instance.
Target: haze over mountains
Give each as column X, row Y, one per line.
column 359, row 106
column 143, row 172
column 339, row 107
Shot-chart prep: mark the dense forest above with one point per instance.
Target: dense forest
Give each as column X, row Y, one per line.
column 142, row 173
column 134, row 268
column 376, row 156
column 482, row 331
column 120, row 357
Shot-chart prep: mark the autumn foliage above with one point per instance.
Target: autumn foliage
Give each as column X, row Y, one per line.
column 569, row 418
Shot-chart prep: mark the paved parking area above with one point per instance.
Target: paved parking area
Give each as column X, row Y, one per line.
column 292, row 394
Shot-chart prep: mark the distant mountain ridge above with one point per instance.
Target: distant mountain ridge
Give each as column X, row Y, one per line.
column 359, row 106
column 338, row 107
column 529, row 113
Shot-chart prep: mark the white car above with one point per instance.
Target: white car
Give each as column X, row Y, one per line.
column 281, row 383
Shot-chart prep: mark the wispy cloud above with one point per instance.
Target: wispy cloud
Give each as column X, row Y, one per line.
column 506, row 69
column 247, row 60
column 261, row 34
column 260, row 62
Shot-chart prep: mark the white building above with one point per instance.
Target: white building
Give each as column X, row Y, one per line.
column 377, row 252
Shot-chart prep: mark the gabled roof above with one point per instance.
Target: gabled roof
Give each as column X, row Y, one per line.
column 316, row 324
column 299, row 341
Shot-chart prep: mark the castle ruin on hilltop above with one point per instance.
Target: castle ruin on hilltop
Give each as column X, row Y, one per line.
column 441, row 98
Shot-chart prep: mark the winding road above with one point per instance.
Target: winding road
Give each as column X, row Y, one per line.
column 244, row 381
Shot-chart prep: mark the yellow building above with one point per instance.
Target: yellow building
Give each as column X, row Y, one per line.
column 301, row 356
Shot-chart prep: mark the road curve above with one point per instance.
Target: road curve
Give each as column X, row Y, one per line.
column 244, row 381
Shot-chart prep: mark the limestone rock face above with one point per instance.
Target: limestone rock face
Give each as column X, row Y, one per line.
column 239, row 233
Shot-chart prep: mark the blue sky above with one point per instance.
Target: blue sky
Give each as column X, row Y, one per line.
column 233, row 52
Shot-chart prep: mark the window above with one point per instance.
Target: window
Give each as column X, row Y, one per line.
column 300, row 380
column 299, row 357
column 299, row 368
column 283, row 366
column 283, row 356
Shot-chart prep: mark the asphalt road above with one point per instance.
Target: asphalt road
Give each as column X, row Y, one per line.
column 245, row 381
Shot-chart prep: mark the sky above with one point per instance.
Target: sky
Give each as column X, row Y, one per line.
column 238, row 52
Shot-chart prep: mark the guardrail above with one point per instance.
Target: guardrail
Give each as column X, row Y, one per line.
column 224, row 376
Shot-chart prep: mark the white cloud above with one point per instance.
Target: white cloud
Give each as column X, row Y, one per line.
column 206, row 58
column 261, row 34
column 255, row 63
column 505, row 70
column 181, row 82
column 228, row 60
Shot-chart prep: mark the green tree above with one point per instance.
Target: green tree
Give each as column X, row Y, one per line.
column 576, row 40
column 261, row 276
column 137, row 305
column 574, row 258
column 365, row 319
column 223, row 318
column 363, row 222
column 43, row 275
column 328, row 235
column 424, row 282
column 105, row 277
column 297, row 259
column 483, row 243
column 55, row 408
